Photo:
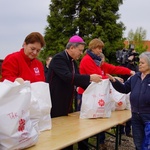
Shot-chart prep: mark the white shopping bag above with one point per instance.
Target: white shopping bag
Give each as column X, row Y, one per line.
column 41, row 105
column 16, row 129
column 95, row 100
column 120, row 99
column 35, row 112
column 128, row 105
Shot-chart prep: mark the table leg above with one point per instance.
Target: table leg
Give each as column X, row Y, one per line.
column 117, row 139
column 119, row 135
column 97, row 142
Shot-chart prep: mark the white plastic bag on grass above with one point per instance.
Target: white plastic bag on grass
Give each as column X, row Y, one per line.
column 128, row 105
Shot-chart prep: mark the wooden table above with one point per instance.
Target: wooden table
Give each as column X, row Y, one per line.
column 68, row 130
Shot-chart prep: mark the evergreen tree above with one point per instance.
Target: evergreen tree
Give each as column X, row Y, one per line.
column 87, row 18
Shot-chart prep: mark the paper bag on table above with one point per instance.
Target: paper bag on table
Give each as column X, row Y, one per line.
column 16, row 129
column 95, row 100
column 41, row 105
column 120, row 99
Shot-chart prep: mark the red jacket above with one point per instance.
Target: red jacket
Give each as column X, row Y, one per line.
column 112, row 69
column 88, row 66
column 17, row 65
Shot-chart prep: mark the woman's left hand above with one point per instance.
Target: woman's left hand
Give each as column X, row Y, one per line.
column 113, row 79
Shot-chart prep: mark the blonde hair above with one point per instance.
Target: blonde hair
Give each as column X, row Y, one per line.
column 96, row 43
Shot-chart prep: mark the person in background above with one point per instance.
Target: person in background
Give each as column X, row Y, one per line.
column 139, row 86
column 131, row 63
column 46, row 66
column 24, row 65
column 94, row 62
column 63, row 77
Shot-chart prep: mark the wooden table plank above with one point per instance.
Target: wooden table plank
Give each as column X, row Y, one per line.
column 70, row 129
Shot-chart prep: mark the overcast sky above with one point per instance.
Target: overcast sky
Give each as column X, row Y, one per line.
column 18, row 18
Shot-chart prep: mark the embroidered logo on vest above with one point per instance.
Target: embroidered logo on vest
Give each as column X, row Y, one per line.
column 36, row 70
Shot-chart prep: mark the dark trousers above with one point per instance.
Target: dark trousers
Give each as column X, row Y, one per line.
column 126, row 129
column 138, row 128
column 101, row 138
column 83, row 145
column 68, row 148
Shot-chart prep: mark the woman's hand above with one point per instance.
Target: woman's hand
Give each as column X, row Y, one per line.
column 120, row 79
column 19, row 80
column 95, row 78
column 132, row 72
column 111, row 78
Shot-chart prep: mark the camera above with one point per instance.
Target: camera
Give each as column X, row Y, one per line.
column 132, row 52
column 123, row 56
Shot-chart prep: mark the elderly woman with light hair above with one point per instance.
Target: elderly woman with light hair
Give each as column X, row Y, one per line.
column 139, row 86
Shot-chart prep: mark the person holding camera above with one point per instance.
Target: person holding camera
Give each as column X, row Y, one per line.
column 131, row 63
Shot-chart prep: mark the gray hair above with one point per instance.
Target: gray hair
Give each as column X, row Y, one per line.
column 146, row 56
column 69, row 44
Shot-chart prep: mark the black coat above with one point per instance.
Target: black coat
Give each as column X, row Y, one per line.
column 63, row 76
column 45, row 71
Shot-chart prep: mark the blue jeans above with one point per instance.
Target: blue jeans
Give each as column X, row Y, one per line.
column 138, row 124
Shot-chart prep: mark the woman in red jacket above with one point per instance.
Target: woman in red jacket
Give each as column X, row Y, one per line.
column 24, row 65
column 112, row 69
column 94, row 62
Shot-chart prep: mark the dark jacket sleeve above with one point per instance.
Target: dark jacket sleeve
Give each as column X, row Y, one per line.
column 122, row 87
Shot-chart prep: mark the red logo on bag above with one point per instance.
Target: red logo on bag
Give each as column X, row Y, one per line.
column 21, row 125
column 101, row 102
column 119, row 103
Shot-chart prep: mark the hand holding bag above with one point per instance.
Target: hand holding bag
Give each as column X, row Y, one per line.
column 95, row 100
